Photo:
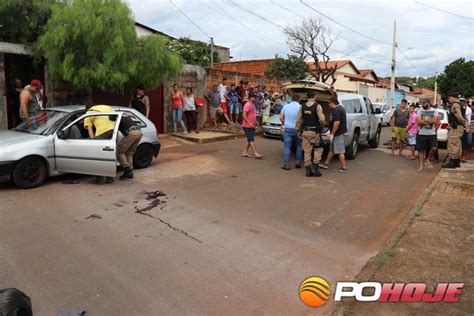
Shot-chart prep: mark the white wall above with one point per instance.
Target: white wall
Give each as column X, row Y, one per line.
column 378, row 95
column 142, row 32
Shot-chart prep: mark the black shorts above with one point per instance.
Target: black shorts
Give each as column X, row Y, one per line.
column 250, row 133
column 426, row 142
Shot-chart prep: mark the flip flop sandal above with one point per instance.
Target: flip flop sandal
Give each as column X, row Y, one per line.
column 259, row 157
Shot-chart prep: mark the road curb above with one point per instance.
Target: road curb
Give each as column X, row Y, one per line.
column 371, row 266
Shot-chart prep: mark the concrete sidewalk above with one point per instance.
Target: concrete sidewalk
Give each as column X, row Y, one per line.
column 205, row 136
column 436, row 246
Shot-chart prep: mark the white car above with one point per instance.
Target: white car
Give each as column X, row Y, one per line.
column 54, row 142
column 386, row 112
column 272, row 127
column 442, row 132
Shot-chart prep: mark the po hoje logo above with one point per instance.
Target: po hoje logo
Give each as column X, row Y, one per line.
column 315, row 291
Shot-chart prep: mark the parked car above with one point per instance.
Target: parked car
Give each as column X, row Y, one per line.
column 363, row 125
column 272, row 127
column 55, row 142
column 442, row 132
column 386, row 112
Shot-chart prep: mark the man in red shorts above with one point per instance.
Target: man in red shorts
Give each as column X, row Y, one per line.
column 222, row 89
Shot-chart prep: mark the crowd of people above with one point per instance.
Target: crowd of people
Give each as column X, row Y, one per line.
column 418, row 126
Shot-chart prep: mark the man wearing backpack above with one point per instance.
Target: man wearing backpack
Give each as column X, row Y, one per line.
column 140, row 102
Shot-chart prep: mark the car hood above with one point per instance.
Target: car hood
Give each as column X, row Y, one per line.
column 301, row 87
column 14, row 138
column 274, row 119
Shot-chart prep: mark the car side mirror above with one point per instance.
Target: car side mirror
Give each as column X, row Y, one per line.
column 377, row 111
column 62, row 134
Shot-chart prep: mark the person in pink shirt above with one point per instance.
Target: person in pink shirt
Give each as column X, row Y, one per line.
column 249, row 124
column 412, row 130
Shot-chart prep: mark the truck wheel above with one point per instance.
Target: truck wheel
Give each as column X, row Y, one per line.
column 143, row 156
column 351, row 150
column 374, row 142
column 29, row 173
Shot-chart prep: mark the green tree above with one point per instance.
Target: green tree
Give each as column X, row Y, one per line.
column 458, row 76
column 22, row 21
column 93, row 44
column 291, row 68
column 193, row 52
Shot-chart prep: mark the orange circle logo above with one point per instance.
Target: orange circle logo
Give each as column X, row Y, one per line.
column 314, row 291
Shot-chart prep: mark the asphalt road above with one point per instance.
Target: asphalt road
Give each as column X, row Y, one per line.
column 232, row 235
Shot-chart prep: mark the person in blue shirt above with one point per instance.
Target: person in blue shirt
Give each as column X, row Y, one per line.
column 234, row 105
column 288, row 118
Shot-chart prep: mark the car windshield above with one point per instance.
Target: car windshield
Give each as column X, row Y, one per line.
column 440, row 115
column 42, row 123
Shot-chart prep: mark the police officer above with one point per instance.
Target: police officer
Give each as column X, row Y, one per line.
column 455, row 131
column 309, row 124
column 127, row 146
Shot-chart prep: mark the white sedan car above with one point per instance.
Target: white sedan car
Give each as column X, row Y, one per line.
column 386, row 112
column 55, row 142
column 442, row 132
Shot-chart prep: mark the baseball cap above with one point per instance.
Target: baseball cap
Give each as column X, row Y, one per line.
column 35, row 83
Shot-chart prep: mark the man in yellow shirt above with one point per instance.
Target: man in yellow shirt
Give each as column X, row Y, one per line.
column 104, row 127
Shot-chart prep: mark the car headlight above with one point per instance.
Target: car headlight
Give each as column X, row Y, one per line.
column 266, row 124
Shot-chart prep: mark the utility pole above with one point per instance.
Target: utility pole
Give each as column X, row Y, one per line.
column 392, row 79
column 212, row 52
column 436, row 86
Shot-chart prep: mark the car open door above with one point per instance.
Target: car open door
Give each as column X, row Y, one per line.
column 84, row 155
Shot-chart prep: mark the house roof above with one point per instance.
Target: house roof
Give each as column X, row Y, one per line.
column 365, row 72
column 385, row 83
column 152, row 30
column 169, row 36
column 358, row 78
column 337, row 64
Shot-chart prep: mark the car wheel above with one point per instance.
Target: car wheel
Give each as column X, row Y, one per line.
column 351, row 150
column 143, row 156
column 29, row 173
column 374, row 142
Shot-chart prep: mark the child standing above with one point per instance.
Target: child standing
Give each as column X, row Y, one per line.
column 412, row 130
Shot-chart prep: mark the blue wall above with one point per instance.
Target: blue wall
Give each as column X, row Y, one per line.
column 399, row 95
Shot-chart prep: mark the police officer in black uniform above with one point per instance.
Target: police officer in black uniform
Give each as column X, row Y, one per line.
column 309, row 124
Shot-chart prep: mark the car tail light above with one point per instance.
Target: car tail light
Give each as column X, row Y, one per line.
column 444, row 126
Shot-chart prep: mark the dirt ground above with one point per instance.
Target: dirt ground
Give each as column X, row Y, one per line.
column 438, row 246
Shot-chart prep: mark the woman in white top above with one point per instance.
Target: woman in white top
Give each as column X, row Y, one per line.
column 190, row 111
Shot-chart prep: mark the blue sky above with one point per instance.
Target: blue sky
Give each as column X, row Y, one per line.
column 437, row 37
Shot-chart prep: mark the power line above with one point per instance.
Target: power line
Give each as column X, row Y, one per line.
column 365, row 59
column 261, row 17
column 236, row 20
column 445, row 11
column 405, row 57
column 303, row 17
column 189, row 19
column 347, row 27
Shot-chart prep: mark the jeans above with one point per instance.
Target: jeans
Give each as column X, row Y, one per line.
column 178, row 117
column 290, row 136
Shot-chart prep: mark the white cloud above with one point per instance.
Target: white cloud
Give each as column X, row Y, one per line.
column 436, row 36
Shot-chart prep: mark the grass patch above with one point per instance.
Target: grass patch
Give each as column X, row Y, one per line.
column 384, row 256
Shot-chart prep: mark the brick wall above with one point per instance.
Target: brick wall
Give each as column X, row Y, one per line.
column 191, row 76
column 253, row 67
column 3, row 99
column 214, row 77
